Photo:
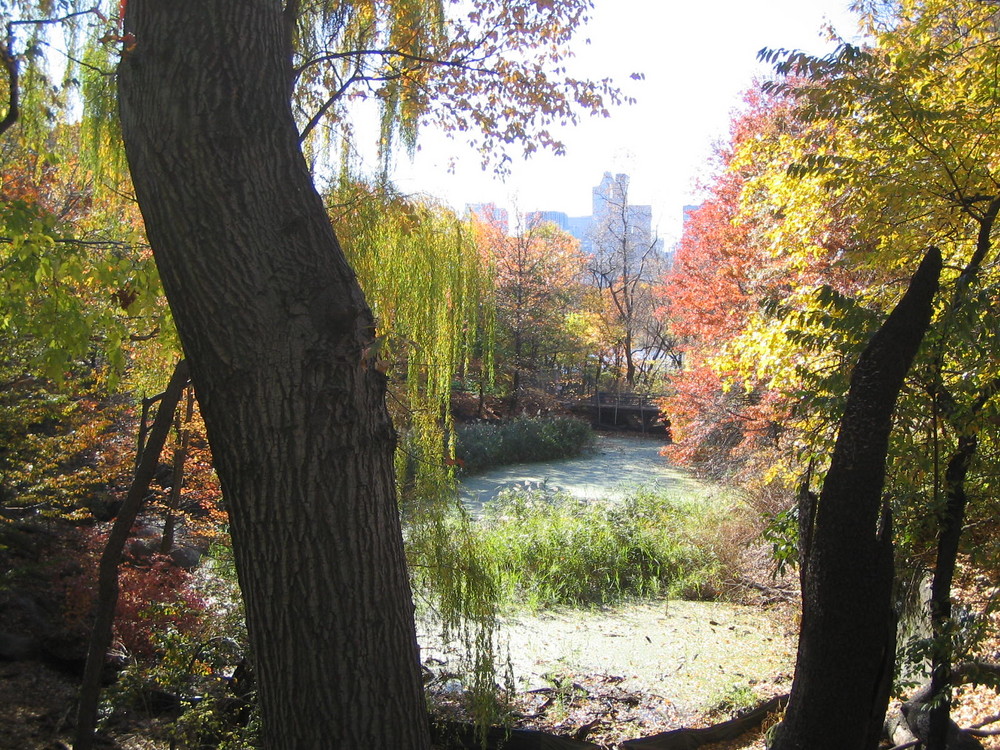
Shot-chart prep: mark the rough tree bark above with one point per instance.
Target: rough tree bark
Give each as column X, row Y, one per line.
column 278, row 337
column 847, row 639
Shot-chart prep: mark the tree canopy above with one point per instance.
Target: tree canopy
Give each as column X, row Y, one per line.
column 856, row 164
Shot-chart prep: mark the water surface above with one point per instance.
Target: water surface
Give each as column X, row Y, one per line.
column 616, row 465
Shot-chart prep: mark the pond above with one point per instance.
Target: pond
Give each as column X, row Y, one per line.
column 683, row 654
column 615, row 465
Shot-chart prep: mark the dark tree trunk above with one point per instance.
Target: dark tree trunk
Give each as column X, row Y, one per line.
column 847, row 639
column 515, row 388
column 107, row 582
column 629, row 360
column 278, row 335
column 949, row 536
column 182, row 429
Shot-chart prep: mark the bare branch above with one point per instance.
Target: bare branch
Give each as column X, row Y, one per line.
column 85, row 243
column 321, row 112
column 469, row 65
column 9, row 60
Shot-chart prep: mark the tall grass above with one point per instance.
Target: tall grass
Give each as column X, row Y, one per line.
column 484, row 446
column 552, row 549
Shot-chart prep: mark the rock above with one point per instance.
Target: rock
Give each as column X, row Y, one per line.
column 186, row 557
column 141, row 549
column 17, row 647
column 103, row 506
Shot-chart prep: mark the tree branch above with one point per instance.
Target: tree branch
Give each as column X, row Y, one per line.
column 983, row 242
column 9, row 60
column 321, row 112
column 10, row 65
column 85, row 243
column 100, row 637
column 469, row 65
column 688, row 739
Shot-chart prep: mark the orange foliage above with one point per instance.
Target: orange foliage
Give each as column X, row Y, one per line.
column 720, row 274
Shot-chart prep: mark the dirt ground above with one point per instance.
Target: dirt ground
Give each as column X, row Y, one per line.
column 604, row 675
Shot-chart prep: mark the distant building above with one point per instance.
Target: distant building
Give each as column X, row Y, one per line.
column 610, row 212
column 489, row 213
column 609, row 204
column 558, row 218
column 579, row 226
column 615, row 217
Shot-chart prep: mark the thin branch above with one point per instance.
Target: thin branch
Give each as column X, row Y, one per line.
column 321, row 112
column 386, row 53
column 988, row 720
column 983, row 243
column 139, row 337
column 10, row 65
column 49, row 21
column 9, row 60
column 85, row 243
column 983, row 732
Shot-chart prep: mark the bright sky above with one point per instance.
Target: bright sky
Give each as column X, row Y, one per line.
column 697, row 56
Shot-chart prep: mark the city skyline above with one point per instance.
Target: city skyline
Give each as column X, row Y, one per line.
column 696, row 61
column 611, row 194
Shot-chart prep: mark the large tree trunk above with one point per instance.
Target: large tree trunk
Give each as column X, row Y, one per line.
column 278, row 336
column 846, row 650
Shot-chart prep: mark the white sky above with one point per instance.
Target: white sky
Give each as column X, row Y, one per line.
column 697, row 58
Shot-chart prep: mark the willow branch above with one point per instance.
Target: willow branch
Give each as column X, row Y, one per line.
column 9, row 61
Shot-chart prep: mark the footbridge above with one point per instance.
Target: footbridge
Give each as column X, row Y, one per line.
column 623, row 410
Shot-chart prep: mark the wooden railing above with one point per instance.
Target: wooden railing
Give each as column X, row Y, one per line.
column 625, row 398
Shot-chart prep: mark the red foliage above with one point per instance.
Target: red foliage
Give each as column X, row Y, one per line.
column 720, row 273
column 723, row 270
column 154, row 595
column 707, row 294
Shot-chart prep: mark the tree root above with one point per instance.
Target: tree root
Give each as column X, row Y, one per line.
column 689, row 739
column 454, row 735
column 908, row 726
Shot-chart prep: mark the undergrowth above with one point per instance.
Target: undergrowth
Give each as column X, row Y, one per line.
column 551, row 549
column 484, row 446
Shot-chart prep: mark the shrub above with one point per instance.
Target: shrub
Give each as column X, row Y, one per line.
column 154, row 596
column 734, row 701
column 484, row 446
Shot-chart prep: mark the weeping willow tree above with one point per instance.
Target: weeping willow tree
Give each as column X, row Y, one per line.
column 430, row 291
column 421, row 271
